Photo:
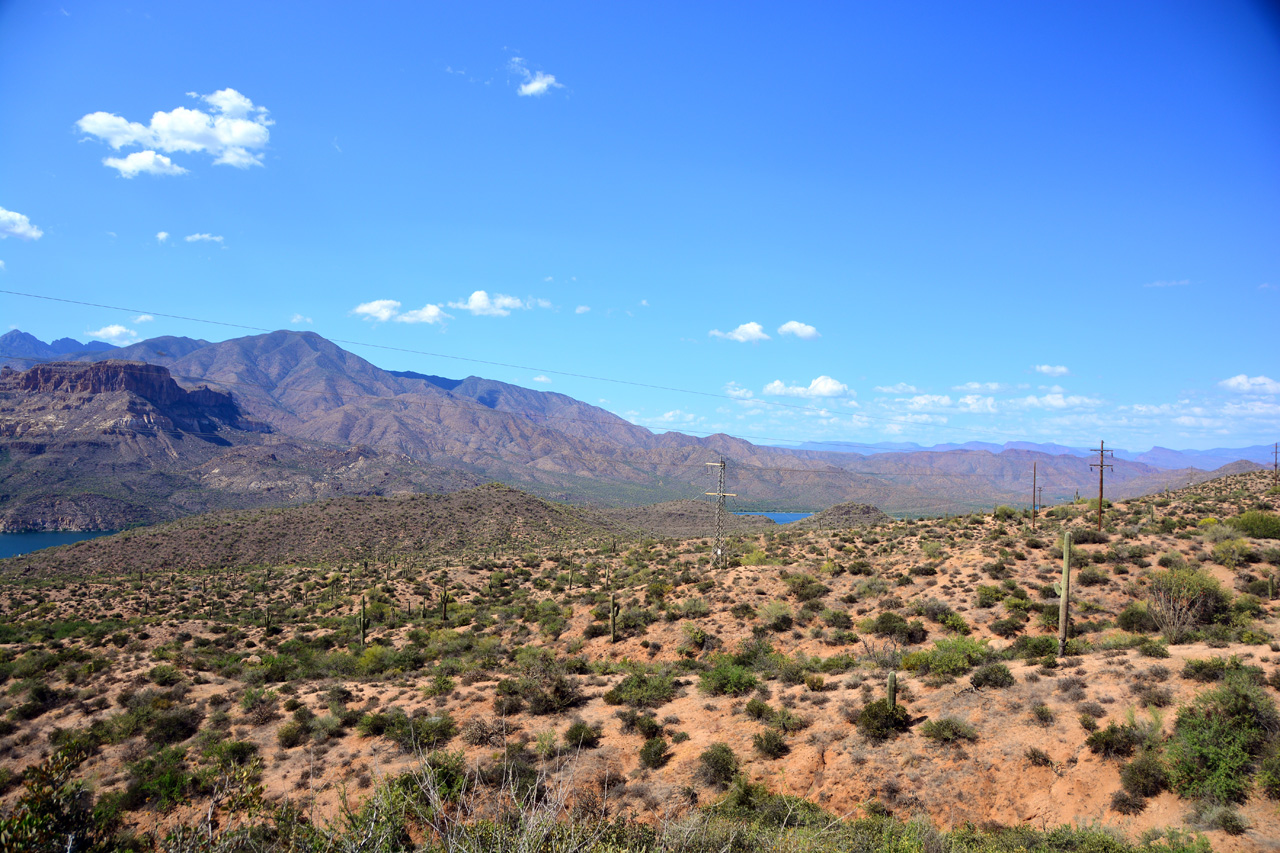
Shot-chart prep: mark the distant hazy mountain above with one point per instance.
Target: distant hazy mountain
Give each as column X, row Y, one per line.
column 316, row 394
column 1157, row 457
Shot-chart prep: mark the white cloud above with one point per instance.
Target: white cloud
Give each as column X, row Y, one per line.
column 481, row 304
column 543, row 379
column 234, row 133
column 582, row 309
column 17, row 225
column 203, row 238
column 1180, row 283
column 978, row 387
column 380, row 310
column 1251, row 384
column 737, row 392
column 928, row 401
column 1058, row 400
column 1266, row 286
column 143, row 318
column 801, row 330
column 644, row 303
column 1051, row 370
column 535, row 84
column 114, row 334
column 746, row 333
column 1, row 266
column 900, row 388
column 299, row 318
column 143, row 163
column 425, row 314
column 823, row 386
column 161, row 236
column 977, row 403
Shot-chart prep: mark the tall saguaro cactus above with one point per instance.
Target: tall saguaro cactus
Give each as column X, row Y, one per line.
column 1064, row 603
column 893, row 689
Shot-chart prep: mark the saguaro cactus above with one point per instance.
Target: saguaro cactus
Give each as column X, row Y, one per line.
column 613, row 618
column 1064, row 590
column 893, row 689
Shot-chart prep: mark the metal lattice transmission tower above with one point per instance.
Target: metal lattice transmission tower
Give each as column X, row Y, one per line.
column 719, row 558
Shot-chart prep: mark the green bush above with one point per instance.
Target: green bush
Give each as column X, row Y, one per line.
column 718, row 765
column 1217, row 738
column 1135, row 619
column 952, row 656
column 1114, row 741
column 654, row 753
column 890, row 624
column 174, row 725
column 728, row 679
column 1258, row 524
column 642, row 691
column 581, row 735
column 770, row 744
column 1206, row 670
column 879, row 720
column 165, row 675
column 948, row 730
column 992, row 675
column 757, row 709
column 1144, row 776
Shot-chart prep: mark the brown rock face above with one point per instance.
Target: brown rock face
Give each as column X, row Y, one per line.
column 200, row 410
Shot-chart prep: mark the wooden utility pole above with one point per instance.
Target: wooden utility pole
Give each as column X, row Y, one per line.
column 1033, row 495
column 718, row 556
column 1101, row 465
column 1064, row 590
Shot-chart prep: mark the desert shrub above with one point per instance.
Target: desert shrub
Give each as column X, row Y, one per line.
column 718, row 765
column 1180, row 599
column 1042, row 714
column 1027, row 647
column 1206, row 670
column 1268, row 777
column 1127, row 803
column 1233, row 552
column 776, row 616
column 806, row 588
column 1091, row 577
column 1217, row 738
column 581, row 735
column 890, row 624
column 1114, row 741
column 879, row 720
column 948, row 730
column 950, row 657
column 1009, row 627
column 786, row 720
column 992, row 675
column 174, row 725
column 1038, row 757
column 1145, row 775
column 728, row 679
column 770, row 744
column 654, row 753
column 1086, row 536
column 1258, row 524
column 642, row 691
column 1214, row 815
column 165, row 675
column 291, row 734
column 162, row 779
column 1135, row 619
column 757, row 709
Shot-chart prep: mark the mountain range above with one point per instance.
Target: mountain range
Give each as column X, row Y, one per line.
column 313, row 420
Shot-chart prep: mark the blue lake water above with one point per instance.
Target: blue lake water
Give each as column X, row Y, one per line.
column 780, row 517
column 13, row 544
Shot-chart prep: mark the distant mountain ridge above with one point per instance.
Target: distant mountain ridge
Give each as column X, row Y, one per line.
column 313, row 393
column 1158, row 457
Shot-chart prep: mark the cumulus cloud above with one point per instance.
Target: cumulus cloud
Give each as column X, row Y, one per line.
column 299, row 318
column 1, row 266
column 143, row 318
column 1051, row 369
column 745, row 334
column 543, row 379
column 899, row 388
column 928, row 401
column 203, row 238
column 1058, row 400
column 535, row 84
column 737, row 392
column 114, row 334
column 17, row 225
column 823, row 386
column 979, row 387
column 233, row 132
column 161, row 236
column 425, row 314
column 977, row 403
column 481, row 304
column 143, row 163
column 582, row 309
column 1251, row 384
column 1179, row 283
column 801, row 330
column 379, row 310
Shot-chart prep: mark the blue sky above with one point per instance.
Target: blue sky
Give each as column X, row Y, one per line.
column 905, row 221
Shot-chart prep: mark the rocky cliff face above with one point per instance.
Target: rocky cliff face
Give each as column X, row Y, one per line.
column 146, row 393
